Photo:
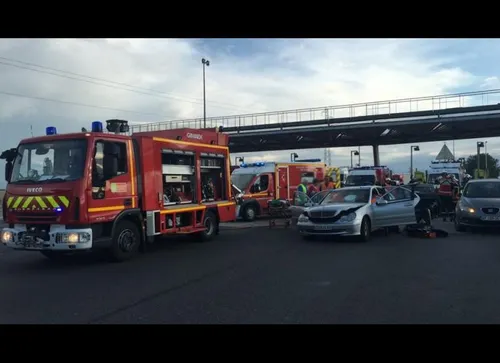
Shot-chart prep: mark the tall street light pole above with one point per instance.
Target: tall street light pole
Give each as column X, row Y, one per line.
column 412, row 148
column 354, row 152
column 479, row 144
column 205, row 62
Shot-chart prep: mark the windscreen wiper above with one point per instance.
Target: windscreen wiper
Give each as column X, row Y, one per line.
column 26, row 181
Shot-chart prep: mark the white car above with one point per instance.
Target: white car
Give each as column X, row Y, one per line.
column 354, row 211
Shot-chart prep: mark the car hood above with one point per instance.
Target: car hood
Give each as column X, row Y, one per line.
column 336, row 207
column 482, row 202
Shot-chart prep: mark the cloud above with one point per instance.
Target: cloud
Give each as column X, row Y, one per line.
column 158, row 80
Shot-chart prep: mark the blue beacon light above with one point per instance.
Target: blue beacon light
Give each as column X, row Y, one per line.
column 51, row 130
column 97, row 126
column 58, row 209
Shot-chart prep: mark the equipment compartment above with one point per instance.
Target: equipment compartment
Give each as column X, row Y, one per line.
column 178, row 174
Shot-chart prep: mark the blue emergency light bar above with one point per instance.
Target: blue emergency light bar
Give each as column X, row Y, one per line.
column 369, row 167
column 244, row 165
column 97, row 126
column 51, row 130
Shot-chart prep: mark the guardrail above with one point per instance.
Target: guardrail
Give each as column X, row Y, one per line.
column 441, row 102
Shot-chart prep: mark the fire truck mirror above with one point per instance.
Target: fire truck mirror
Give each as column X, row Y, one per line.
column 8, row 171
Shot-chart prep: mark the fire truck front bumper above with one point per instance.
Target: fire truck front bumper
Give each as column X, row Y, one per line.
column 57, row 239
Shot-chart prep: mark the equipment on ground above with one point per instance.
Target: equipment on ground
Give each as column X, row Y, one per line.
column 279, row 210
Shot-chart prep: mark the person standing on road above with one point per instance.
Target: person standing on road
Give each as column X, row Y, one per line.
column 313, row 188
column 445, row 192
column 327, row 184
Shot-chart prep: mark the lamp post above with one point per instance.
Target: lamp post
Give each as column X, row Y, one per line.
column 486, row 159
column 205, row 62
column 293, row 156
column 480, row 144
column 354, row 152
column 412, row 149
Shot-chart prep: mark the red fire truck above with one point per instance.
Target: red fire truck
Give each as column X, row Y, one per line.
column 368, row 175
column 77, row 192
column 257, row 183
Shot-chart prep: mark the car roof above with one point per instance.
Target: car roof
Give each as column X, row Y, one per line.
column 359, row 187
column 484, row 180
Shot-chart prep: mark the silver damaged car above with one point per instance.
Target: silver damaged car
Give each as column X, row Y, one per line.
column 355, row 211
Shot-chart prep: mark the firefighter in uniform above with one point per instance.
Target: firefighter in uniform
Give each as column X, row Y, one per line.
column 447, row 191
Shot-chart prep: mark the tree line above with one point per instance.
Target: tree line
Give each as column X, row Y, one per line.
column 493, row 168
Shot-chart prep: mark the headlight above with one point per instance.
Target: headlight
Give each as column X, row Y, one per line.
column 303, row 218
column 72, row 238
column 348, row 218
column 467, row 209
column 7, row 236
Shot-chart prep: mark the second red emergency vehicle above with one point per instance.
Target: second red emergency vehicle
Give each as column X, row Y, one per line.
column 257, row 183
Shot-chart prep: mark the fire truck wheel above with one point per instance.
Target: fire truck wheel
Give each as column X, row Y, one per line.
column 210, row 222
column 249, row 213
column 125, row 241
column 365, row 230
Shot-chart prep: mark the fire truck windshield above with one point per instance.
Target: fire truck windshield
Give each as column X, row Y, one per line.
column 48, row 162
column 241, row 181
column 360, row 180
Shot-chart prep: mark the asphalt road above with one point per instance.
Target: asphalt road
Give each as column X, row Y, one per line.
column 259, row 275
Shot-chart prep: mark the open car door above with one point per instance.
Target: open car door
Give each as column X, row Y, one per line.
column 302, row 201
column 396, row 207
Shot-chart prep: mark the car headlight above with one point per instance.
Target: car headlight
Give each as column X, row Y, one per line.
column 467, row 209
column 7, row 236
column 73, row 237
column 348, row 218
column 303, row 218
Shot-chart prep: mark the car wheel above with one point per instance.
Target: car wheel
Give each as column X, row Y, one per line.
column 365, row 230
column 458, row 227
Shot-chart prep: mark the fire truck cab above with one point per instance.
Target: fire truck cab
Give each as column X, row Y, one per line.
column 257, row 183
column 82, row 191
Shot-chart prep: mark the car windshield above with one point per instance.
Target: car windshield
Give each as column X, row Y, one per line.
column 347, row 196
column 360, row 180
column 51, row 161
column 482, row 190
column 241, row 181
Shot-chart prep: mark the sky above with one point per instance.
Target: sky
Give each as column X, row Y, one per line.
column 68, row 83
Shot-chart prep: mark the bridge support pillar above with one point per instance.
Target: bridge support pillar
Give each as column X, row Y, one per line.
column 376, row 156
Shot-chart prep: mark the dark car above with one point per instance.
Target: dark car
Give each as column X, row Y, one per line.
column 479, row 205
column 429, row 200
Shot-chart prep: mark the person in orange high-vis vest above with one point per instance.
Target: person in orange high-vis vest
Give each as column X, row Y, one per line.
column 327, row 184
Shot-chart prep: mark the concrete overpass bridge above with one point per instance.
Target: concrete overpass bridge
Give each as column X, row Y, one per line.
column 424, row 119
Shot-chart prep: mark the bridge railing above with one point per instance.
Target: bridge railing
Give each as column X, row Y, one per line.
column 441, row 102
